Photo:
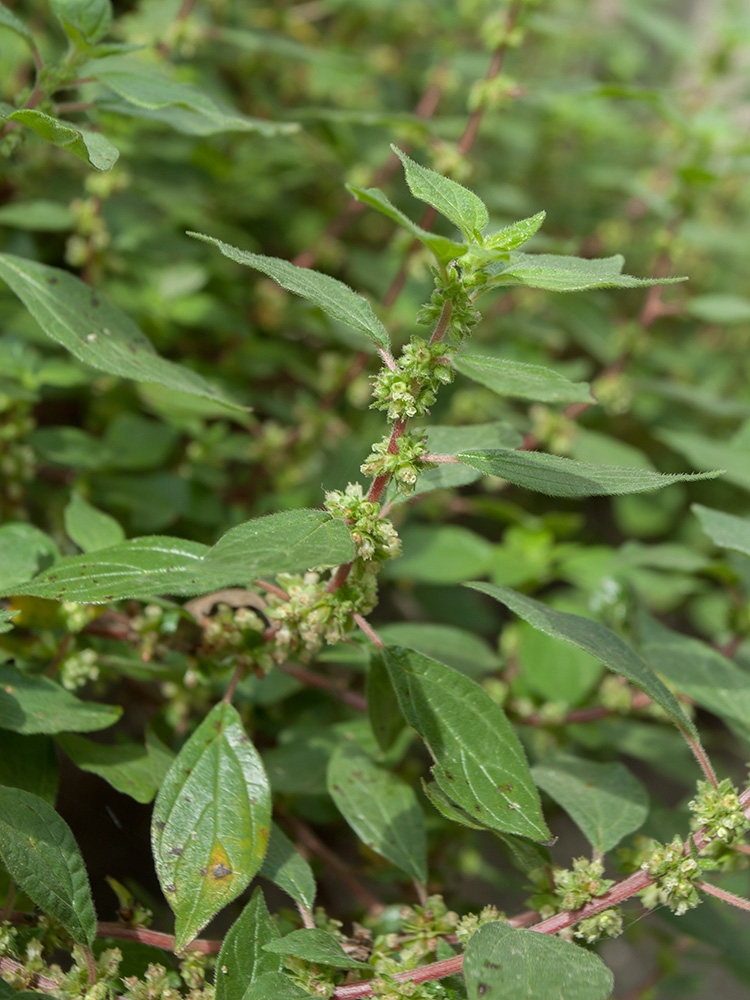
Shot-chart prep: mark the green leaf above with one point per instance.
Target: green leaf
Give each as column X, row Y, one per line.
column 514, row 235
column 604, row 800
column 6, row 620
column 38, row 215
column 125, row 766
column 152, row 95
column 567, row 274
column 29, row 762
column 719, row 308
column 596, row 639
column 706, row 453
column 314, row 945
column 564, row 477
column 560, row 673
column 448, row 809
column 285, row 867
column 331, row 295
column 211, row 822
column 382, row 706
column 514, row 378
column 24, row 551
column 38, row 705
column 89, row 528
column 89, row 146
column 695, row 669
column 275, row 986
column 89, row 18
column 445, row 554
column 9, row 20
column 725, row 530
column 288, row 542
column 506, row 963
column 444, row 249
column 42, row 857
column 456, row 647
column 479, row 762
column 94, row 330
column 464, row 209
column 381, row 809
column 242, row 959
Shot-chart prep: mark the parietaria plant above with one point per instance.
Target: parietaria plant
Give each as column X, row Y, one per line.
column 283, row 670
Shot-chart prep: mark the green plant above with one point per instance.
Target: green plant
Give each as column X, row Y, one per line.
column 285, row 635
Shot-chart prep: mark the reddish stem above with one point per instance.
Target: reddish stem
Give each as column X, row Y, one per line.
column 368, row 630
column 309, row 679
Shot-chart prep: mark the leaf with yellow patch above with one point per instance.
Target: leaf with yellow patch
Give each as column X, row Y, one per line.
column 211, row 822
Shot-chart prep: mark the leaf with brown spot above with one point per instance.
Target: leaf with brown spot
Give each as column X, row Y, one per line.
column 211, row 822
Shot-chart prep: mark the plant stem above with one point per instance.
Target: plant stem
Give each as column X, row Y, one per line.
column 310, row 679
column 232, row 686
column 728, row 897
column 368, row 630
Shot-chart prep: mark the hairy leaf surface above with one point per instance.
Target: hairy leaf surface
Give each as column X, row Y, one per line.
column 211, row 822
column 243, row 959
column 43, row 859
column 564, row 477
column 506, row 963
column 515, row 378
column 38, row 705
column 464, row 209
column 479, row 761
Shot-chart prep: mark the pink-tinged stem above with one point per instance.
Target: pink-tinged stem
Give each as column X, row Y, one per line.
column 368, row 630
column 728, row 897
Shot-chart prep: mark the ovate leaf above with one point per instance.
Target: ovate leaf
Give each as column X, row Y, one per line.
column 464, row 209
column 564, row 477
column 288, row 542
column 88, row 18
column 211, row 822
column 42, row 857
column 604, row 800
column 242, row 959
column 38, row 705
column 314, row 945
column 275, row 986
column 90, row 528
column 24, row 551
column 515, row 378
column 596, row 639
column 507, row 963
column 86, row 145
column 125, row 766
column 443, row 248
column 382, row 706
column 94, row 330
column 568, row 274
column 514, row 235
column 29, row 762
column 725, row 530
column 479, row 761
column 285, row 867
column 9, row 20
column 714, row 681
column 331, row 295
column 381, row 809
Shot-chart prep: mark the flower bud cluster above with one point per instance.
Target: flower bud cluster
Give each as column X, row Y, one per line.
column 719, row 810
column 374, row 537
column 452, row 287
column 470, row 924
column 608, row 923
column 405, row 465
column 411, row 390
column 581, row 883
column 311, row 616
column 675, row 875
column 237, row 634
column 79, row 668
column 76, row 617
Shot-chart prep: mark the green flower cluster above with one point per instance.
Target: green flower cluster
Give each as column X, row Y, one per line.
column 312, row 616
column 412, row 388
column 374, row 537
column 718, row 810
column 453, row 287
column 581, row 883
column 608, row 923
column 675, row 875
column 405, row 465
column 471, row 923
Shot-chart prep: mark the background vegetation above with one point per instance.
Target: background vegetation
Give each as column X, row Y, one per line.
column 626, row 121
